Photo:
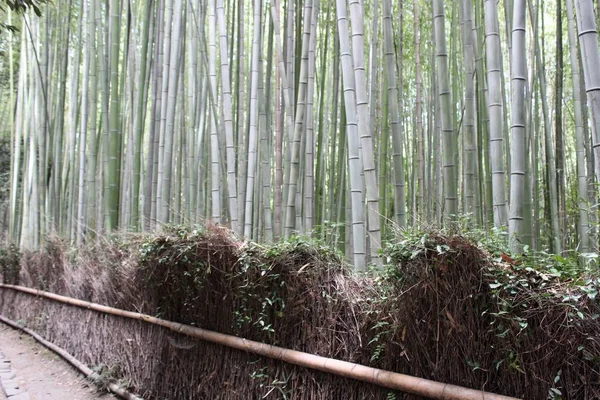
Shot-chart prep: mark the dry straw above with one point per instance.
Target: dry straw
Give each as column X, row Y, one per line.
column 387, row 379
column 84, row 369
column 432, row 315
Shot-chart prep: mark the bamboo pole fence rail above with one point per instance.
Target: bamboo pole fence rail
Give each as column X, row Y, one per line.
column 387, row 379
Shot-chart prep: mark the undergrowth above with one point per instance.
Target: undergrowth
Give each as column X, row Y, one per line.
column 535, row 313
column 456, row 306
column 10, row 259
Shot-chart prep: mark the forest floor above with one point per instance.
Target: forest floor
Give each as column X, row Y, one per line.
column 44, row 374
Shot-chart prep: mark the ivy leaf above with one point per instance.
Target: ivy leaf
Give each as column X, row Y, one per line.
column 556, row 391
column 557, row 377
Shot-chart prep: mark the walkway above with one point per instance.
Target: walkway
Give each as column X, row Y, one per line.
column 39, row 374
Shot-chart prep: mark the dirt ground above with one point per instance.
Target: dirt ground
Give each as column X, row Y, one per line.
column 45, row 375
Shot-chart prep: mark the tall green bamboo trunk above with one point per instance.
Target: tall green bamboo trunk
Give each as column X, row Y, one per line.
column 290, row 215
column 228, row 119
column 215, row 173
column 309, row 154
column 518, row 169
column 394, row 116
column 582, row 195
column 253, row 137
column 367, row 148
column 494, row 60
column 140, row 121
column 114, row 140
column 449, row 142
column 92, row 160
column 419, row 115
column 356, row 184
column 552, row 197
column 470, row 134
column 559, row 138
column 322, row 126
column 84, row 121
column 590, row 57
column 169, row 116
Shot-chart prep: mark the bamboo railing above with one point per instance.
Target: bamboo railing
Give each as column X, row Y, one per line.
column 387, row 379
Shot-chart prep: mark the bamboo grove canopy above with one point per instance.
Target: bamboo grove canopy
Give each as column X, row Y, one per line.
column 335, row 118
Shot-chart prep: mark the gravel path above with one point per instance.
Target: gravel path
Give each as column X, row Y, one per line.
column 43, row 374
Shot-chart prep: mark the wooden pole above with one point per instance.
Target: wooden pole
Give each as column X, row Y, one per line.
column 388, row 379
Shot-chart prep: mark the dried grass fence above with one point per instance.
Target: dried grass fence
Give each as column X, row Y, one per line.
column 386, row 379
column 434, row 315
column 84, row 369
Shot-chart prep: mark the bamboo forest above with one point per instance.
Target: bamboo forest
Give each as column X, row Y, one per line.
column 371, row 158
column 315, row 116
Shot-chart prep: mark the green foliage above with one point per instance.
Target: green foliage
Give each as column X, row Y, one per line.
column 514, row 303
column 105, row 374
column 185, row 265
column 276, row 386
column 169, row 264
column 331, row 233
column 300, row 244
column 10, row 264
column 24, row 5
column 410, row 243
column 519, row 300
column 4, row 172
column 20, row 6
column 382, row 329
column 262, row 274
column 265, row 291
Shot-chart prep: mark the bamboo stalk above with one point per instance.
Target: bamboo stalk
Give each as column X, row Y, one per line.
column 388, row 379
column 84, row 369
